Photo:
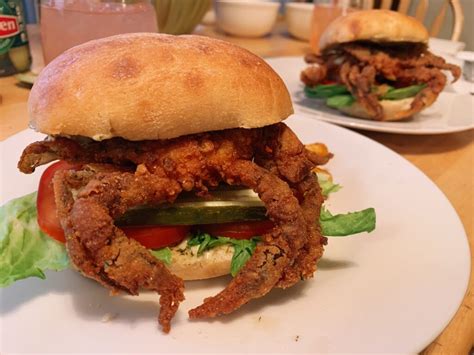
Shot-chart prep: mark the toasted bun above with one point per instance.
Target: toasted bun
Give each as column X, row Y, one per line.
column 374, row 25
column 154, row 86
column 186, row 264
column 394, row 110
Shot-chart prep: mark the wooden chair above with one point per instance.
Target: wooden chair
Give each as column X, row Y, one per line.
column 420, row 13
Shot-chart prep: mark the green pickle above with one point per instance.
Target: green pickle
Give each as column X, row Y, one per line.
column 14, row 50
column 226, row 206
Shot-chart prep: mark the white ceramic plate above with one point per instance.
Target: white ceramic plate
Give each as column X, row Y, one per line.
column 393, row 290
column 452, row 112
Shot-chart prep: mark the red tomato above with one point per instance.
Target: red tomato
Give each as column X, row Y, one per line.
column 328, row 82
column 239, row 230
column 150, row 236
column 155, row 237
column 48, row 220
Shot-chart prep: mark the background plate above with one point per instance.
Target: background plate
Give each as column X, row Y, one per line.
column 452, row 112
column 393, row 290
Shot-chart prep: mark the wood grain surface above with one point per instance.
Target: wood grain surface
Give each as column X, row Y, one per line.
column 448, row 160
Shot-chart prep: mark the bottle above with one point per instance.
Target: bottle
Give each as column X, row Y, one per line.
column 14, row 50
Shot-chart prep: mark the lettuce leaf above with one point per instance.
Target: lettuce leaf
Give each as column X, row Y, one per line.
column 341, row 225
column 243, row 248
column 340, row 101
column 24, row 250
column 163, row 254
column 327, row 185
column 325, row 91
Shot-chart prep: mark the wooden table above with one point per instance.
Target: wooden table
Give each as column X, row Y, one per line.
column 448, row 160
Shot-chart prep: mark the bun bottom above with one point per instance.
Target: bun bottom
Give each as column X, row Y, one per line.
column 186, row 264
column 394, row 110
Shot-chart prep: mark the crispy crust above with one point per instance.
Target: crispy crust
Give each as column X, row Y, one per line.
column 146, row 86
column 374, row 25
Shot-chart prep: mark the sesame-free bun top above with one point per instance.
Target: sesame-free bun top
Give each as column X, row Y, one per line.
column 374, row 25
column 153, row 86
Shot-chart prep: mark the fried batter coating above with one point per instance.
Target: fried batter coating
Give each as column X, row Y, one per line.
column 275, row 157
column 102, row 251
column 270, row 160
column 271, row 258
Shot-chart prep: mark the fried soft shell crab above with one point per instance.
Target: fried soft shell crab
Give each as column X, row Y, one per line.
column 144, row 118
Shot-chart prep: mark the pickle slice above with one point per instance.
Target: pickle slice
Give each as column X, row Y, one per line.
column 225, row 206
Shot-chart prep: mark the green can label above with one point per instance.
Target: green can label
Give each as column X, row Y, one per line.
column 12, row 27
column 14, row 53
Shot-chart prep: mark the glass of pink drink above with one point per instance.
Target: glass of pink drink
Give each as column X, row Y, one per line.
column 67, row 23
column 326, row 11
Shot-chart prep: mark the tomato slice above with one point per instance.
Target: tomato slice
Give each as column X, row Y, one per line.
column 328, row 82
column 150, row 236
column 48, row 220
column 239, row 230
column 155, row 237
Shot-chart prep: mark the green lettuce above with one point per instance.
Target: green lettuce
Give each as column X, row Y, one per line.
column 243, row 248
column 327, row 185
column 163, row 254
column 25, row 251
column 337, row 95
column 325, row 91
column 340, row 101
column 347, row 224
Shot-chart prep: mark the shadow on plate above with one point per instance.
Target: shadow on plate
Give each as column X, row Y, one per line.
column 26, row 290
column 275, row 297
column 331, row 264
column 92, row 301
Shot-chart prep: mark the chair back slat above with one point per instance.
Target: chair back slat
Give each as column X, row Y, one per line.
column 367, row 4
column 438, row 21
column 386, row 4
column 458, row 19
column 421, row 9
column 403, row 6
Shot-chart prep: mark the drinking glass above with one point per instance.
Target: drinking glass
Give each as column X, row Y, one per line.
column 67, row 23
column 326, row 11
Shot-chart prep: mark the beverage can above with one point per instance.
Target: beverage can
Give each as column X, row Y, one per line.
column 14, row 50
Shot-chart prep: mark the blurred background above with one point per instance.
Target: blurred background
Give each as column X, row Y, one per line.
column 46, row 28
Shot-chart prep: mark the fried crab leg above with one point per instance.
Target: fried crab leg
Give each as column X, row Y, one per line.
column 286, row 157
column 359, row 82
column 278, row 250
column 102, row 251
column 289, row 253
